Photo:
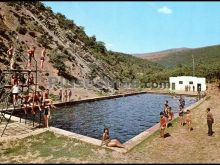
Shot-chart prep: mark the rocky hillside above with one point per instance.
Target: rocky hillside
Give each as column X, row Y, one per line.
column 71, row 54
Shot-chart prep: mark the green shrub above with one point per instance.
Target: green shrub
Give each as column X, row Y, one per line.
column 33, row 34
column 22, row 30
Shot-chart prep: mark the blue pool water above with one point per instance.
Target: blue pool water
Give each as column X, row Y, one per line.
column 125, row 117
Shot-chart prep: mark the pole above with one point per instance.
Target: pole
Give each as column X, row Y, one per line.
column 193, row 65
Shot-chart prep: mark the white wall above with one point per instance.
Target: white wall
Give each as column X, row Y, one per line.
column 186, row 80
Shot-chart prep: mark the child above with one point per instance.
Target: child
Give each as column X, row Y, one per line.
column 188, row 120
column 181, row 115
column 162, row 125
column 170, row 113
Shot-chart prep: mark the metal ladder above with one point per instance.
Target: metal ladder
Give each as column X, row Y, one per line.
column 5, row 95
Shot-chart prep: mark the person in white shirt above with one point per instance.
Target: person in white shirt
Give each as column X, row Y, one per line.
column 15, row 93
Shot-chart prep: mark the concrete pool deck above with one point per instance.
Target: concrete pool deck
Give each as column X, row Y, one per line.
column 165, row 92
column 128, row 144
column 19, row 130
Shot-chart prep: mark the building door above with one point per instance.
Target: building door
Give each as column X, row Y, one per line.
column 173, row 86
column 199, row 87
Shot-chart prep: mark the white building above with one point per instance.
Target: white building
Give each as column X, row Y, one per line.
column 181, row 82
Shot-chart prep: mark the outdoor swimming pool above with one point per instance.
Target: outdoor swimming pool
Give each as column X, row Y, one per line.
column 125, row 117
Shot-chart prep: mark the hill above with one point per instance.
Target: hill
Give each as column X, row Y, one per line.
column 206, row 62
column 155, row 56
column 71, row 53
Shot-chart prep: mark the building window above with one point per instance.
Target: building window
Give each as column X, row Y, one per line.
column 191, row 82
column 180, row 82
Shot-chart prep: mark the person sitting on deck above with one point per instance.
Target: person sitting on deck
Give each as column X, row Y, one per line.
column 110, row 142
column 40, row 96
column 26, row 102
column 35, row 101
column 19, row 79
column 14, row 79
column 30, row 79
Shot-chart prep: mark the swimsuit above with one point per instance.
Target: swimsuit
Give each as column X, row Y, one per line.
column 163, row 123
column 106, row 142
column 42, row 58
column 29, row 57
column 46, row 111
column 46, row 96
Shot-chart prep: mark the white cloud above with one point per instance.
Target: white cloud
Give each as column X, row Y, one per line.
column 165, row 10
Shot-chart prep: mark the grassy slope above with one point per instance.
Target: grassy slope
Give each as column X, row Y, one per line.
column 206, row 55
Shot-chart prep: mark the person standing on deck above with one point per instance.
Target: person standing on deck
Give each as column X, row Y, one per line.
column 189, row 120
column 61, row 95
column 65, row 95
column 170, row 114
column 181, row 113
column 182, row 101
column 210, row 121
column 15, row 93
column 11, row 53
column 30, row 53
column 42, row 58
column 47, row 112
column 48, row 100
column 166, row 112
column 162, row 125
column 30, row 79
column 70, row 94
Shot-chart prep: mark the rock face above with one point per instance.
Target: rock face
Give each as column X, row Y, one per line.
column 31, row 24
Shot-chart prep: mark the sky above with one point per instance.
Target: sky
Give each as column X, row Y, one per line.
column 145, row 26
